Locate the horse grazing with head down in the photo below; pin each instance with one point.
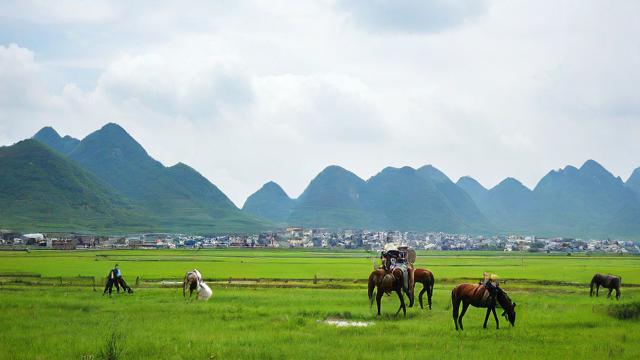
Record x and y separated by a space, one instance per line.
192 280
478 296
425 277
610 282
386 282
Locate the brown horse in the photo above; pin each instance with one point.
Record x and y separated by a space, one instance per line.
386 282
425 277
478 296
610 282
191 280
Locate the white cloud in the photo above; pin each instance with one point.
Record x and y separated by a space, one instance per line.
247 92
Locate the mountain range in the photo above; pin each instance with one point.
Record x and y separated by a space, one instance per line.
172 199
572 202
107 182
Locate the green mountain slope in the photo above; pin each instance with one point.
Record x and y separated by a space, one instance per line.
40 190
399 198
176 199
509 205
331 200
50 137
459 201
589 201
634 181
270 202
472 187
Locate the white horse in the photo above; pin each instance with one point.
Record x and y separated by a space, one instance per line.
205 292
193 280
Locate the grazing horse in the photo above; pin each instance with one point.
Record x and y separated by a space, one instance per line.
425 277
192 279
478 296
386 282
610 282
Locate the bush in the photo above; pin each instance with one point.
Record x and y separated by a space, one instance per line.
113 348
625 311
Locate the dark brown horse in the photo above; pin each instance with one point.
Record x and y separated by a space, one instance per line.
610 282
425 277
384 282
478 296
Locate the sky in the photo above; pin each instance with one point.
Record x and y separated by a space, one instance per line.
247 92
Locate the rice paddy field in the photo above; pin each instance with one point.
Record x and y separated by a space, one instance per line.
281 304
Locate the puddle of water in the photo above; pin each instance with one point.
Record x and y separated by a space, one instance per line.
345 323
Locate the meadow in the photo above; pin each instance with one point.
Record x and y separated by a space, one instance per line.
281 313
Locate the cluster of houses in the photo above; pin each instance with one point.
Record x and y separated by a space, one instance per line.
316 238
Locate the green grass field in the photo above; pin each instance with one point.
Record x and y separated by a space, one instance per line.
282 315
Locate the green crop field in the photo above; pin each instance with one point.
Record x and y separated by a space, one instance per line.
272 304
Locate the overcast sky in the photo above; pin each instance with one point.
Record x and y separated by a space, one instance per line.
251 91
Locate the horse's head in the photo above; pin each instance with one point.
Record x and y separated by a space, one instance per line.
509 312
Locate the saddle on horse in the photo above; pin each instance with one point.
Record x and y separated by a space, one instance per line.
402 258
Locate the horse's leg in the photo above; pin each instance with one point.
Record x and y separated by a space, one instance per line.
597 290
399 292
378 298
486 318
403 307
411 297
591 289
455 305
495 316
184 287
609 294
618 293
465 306
424 289
430 292
412 287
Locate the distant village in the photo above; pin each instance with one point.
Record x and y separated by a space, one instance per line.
295 237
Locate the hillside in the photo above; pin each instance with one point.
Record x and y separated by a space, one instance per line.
395 198
459 201
40 190
634 181
174 199
51 138
509 205
585 201
331 200
270 202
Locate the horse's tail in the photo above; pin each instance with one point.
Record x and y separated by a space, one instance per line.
373 262
184 284
432 282
371 288
594 279
455 304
